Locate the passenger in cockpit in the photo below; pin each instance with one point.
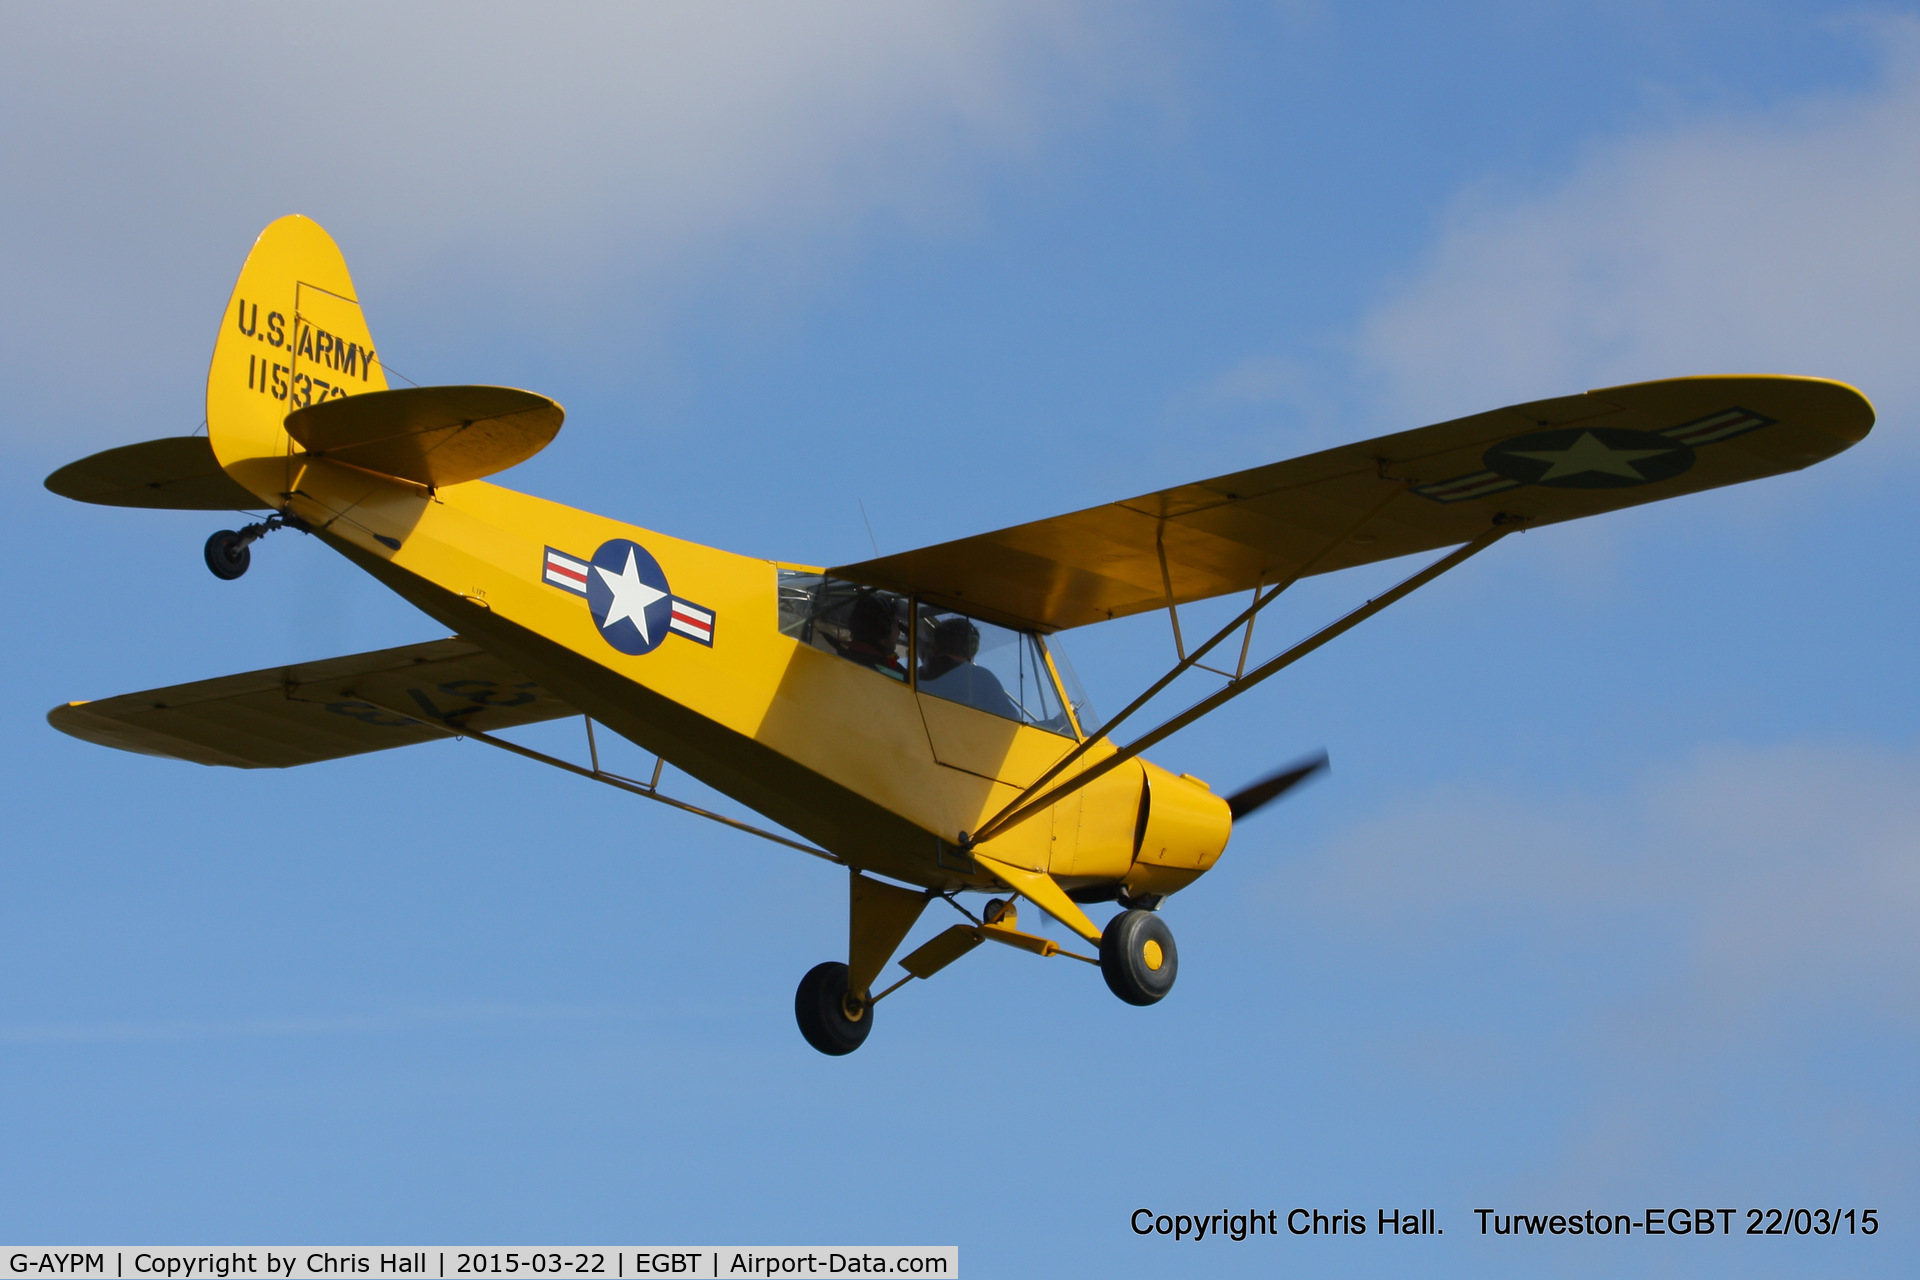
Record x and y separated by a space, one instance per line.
873 637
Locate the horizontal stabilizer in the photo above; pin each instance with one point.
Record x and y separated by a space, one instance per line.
429 435
178 473
322 710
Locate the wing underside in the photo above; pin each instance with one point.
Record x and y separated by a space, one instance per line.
312 711
1437 486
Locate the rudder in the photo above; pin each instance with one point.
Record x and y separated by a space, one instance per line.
293 335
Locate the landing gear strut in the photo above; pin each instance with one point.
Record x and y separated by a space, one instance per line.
833 1021
227 553
834 1005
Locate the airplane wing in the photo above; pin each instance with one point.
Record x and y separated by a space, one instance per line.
317 710
1433 487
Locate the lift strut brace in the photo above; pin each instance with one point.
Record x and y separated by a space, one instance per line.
597 774
1187 661
1012 814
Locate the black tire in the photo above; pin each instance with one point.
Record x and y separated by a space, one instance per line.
1129 948
227 555
820 1007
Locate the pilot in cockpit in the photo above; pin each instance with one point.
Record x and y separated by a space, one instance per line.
950 671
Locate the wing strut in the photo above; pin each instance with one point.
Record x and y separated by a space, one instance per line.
1018 811
597 774
1187 662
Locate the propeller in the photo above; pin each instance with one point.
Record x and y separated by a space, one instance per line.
1250 799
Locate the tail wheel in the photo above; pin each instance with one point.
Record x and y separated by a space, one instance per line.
1138 958
227 554
833 1022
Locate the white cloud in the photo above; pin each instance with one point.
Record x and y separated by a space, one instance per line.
651 123
614 146
1774 242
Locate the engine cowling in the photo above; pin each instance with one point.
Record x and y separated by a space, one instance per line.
1183 829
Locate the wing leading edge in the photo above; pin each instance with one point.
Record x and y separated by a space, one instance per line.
312 711
1546 461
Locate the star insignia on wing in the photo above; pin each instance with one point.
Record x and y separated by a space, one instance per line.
1590 453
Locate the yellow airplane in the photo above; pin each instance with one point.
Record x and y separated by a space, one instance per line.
906 717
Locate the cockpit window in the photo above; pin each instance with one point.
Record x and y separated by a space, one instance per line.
1083 711
961 659
861 624
987 667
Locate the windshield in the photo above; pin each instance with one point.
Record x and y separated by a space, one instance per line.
1070 684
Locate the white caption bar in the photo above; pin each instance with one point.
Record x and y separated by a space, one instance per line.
573 1262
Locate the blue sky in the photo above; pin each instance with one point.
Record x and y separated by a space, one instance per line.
1608 903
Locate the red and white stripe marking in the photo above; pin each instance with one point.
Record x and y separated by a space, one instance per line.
692 622
564 571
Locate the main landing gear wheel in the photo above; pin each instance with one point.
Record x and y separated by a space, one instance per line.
227 554
1137 957
832 1021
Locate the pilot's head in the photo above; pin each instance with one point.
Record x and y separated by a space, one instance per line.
956 638
872 623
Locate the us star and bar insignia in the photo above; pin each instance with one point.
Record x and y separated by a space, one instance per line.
1593 457
627 593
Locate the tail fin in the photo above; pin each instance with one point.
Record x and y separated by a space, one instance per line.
293 336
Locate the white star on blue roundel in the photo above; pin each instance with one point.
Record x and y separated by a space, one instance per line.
628 596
